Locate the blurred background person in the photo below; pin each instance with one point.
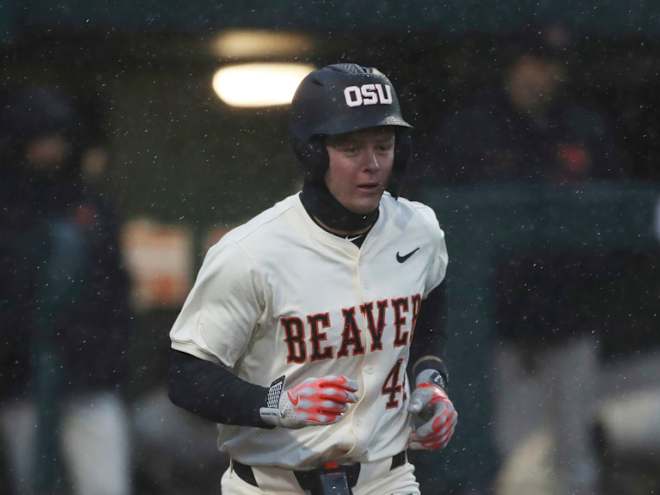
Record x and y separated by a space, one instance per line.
528 127
64 308
174 451
525 132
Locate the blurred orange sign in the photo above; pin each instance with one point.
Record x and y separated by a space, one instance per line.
160 260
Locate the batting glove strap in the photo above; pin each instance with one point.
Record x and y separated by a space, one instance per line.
315 401
432 365
432 376
434 416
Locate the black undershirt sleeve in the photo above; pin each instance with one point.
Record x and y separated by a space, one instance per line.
430 337
214 392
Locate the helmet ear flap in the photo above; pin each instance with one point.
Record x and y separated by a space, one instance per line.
313 155
402 152
402 147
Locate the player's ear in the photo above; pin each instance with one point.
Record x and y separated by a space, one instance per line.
313 156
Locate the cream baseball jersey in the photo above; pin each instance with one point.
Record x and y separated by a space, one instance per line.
279 295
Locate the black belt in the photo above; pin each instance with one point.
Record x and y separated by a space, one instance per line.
309 479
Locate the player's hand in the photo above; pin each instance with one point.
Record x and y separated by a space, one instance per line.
315 401
434 415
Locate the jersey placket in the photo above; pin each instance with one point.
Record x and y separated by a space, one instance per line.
360 430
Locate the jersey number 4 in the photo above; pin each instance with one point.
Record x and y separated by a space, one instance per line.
394 385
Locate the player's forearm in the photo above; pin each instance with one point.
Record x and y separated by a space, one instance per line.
427 349
213 392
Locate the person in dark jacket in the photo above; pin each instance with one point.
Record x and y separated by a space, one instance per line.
528 130
64 308
528 127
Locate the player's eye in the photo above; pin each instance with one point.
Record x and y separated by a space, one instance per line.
386 146
349 149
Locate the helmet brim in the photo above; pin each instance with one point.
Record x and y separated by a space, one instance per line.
344 126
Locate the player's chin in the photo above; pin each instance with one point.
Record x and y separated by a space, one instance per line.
366 204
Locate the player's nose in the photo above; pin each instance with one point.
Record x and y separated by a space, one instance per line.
371 162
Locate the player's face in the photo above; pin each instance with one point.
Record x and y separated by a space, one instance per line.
359 167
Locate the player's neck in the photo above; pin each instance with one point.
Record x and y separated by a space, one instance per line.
340 232
324 208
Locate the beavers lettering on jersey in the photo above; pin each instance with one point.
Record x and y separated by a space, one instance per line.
309 341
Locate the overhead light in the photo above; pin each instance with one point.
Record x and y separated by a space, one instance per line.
247 43
259 84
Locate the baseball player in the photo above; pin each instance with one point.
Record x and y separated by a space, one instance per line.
311 332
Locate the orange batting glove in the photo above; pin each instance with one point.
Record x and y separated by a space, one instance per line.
315 401
434 414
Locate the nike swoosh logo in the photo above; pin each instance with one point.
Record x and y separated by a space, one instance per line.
402 259
294 398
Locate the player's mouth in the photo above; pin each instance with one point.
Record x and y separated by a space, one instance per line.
369 187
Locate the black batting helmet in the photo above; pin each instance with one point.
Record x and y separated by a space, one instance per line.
342 98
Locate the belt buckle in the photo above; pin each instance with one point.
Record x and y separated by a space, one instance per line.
333 481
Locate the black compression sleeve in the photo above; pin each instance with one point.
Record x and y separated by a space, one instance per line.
430 338
213 392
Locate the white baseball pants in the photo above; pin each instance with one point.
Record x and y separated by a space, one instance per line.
375 478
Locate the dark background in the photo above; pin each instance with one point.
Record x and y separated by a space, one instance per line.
142 74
